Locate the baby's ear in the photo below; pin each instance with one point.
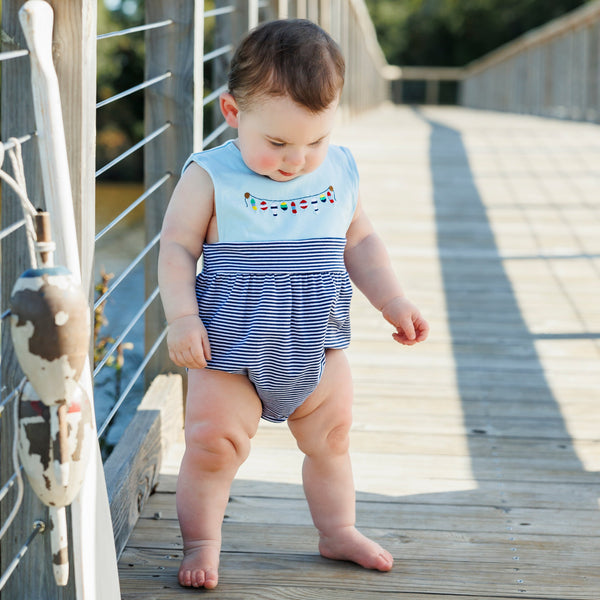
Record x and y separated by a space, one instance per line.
229 108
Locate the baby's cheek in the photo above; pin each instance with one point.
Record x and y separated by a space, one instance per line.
266 162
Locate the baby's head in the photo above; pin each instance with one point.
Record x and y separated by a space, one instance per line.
291 57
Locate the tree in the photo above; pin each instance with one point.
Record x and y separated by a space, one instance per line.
455 32
120 67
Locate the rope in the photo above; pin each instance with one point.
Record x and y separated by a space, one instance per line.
20 188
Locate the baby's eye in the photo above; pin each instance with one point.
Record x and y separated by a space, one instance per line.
276 144
317 143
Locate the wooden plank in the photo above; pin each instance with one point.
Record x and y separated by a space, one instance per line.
417 576
375 513
431 491
133 466
235 591
410 544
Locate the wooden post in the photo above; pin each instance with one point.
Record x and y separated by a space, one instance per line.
177 48
223 35
432 91
75 30
74 54
17 120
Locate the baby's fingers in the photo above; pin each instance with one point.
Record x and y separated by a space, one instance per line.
421 329
401 338
406 330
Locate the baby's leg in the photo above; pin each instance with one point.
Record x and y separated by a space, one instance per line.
321 427
222 415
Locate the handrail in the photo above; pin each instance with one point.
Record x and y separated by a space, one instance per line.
135 88
215 133
125 331
38 527
218 52
134 263
133 205
550 71
11 228
10 54
580 17
21 140
214 95
150 354
133 149
215 12
136 29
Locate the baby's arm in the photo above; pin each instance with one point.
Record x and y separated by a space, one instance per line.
370 268
186 222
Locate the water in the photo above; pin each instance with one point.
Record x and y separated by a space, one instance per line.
114 251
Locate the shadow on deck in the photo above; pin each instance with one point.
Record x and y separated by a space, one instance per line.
476 454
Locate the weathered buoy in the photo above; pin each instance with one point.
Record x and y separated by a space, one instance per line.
44 455
50 327
55 470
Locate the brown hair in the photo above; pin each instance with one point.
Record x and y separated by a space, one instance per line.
292 57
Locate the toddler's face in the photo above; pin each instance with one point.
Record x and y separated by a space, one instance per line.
283 140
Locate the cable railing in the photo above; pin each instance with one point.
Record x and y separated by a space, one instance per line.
119 220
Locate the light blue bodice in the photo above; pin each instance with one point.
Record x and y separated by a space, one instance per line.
252 207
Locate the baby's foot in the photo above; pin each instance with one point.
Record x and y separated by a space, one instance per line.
200 564
349 544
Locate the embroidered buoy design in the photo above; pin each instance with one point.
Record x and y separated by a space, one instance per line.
294 206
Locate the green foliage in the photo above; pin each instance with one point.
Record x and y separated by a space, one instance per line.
455 32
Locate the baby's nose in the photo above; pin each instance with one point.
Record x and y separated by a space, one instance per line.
295 157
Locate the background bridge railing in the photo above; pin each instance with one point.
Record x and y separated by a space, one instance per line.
188 45
552 71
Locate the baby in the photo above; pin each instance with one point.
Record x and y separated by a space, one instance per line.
261 329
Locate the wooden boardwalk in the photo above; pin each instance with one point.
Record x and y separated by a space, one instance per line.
477 454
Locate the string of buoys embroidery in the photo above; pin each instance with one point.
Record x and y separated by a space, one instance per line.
294 206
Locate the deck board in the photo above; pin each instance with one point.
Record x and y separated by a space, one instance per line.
476 454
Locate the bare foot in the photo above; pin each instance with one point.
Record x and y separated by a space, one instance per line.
349 544
200 564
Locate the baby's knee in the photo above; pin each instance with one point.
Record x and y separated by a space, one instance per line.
332 442
338 440
213 449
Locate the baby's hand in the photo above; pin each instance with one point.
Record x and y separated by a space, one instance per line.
188 342
411 327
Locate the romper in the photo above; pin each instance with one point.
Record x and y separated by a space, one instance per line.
273 292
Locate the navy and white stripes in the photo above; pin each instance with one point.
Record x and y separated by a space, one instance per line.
271 309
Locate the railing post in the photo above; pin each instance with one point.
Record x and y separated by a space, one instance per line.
17 120
177 48
282 9
74 55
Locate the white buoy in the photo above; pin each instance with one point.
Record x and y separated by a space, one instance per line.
50 326
94 555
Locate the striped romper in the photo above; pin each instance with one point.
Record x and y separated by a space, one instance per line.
273 292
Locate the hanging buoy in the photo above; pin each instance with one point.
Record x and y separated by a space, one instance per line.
50 326
56 468
44 457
